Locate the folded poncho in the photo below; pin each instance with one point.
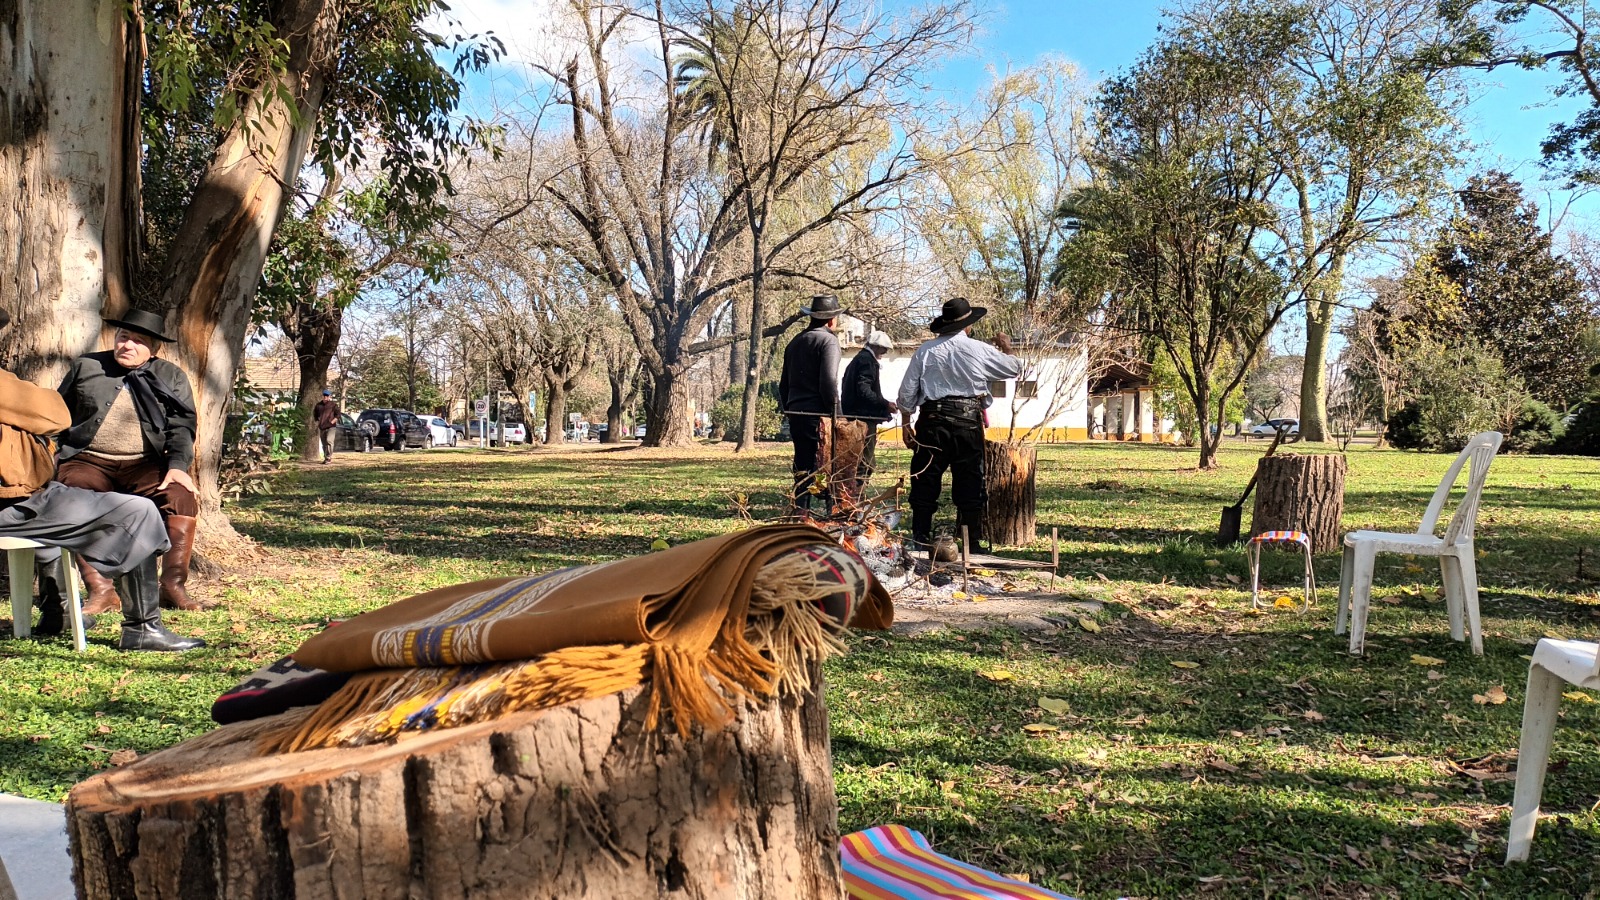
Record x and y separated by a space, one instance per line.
744 614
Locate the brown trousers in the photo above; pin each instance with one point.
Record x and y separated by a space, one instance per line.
141 477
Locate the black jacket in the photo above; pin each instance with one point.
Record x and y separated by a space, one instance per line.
863 396
91 387
810 380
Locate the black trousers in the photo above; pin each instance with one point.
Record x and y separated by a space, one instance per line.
948 437
806 433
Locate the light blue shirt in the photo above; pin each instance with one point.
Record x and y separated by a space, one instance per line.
954 365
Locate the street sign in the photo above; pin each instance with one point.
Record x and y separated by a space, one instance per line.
480 407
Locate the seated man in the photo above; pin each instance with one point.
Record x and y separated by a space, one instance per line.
132 431
116 535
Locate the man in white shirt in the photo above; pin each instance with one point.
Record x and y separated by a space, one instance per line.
946 384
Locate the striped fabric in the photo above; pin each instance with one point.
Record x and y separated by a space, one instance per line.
892 862
1282 537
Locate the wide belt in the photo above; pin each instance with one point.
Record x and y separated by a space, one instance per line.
954 407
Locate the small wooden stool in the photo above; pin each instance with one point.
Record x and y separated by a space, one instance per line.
19 559
1281 537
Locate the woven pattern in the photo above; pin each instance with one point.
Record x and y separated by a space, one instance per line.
1282 537
892 862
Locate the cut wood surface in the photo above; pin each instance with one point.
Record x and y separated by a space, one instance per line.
574 802
1301 492
1010 519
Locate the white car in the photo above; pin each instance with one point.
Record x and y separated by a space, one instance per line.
443 435
1272 426
516 432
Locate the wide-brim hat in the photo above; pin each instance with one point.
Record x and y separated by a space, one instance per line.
956 315
822 306
144 322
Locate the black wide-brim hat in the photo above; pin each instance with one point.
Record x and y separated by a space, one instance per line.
822 306
144 322
956 315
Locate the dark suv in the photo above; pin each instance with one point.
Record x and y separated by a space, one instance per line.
395 429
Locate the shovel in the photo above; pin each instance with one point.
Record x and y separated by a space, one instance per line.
1228 530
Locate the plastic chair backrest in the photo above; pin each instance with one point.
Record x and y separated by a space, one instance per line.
1480 451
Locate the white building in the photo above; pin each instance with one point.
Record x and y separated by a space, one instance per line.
1049 400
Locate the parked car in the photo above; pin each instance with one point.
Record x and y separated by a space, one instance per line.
395 429
349 438
443 434
516 432
1272 426
599 432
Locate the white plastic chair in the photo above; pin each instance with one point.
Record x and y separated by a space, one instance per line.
1555 665
19 559
1457 563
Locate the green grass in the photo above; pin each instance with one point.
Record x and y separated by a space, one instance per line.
1278 766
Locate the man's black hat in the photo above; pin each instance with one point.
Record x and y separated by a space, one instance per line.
957 314
822 306
144 322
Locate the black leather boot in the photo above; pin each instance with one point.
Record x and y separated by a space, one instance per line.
972 520
921 529
52 606
141 613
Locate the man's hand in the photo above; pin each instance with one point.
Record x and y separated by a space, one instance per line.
1002 342
907 434
178 477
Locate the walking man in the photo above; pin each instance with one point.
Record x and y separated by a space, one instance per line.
326 415
133 423
862 397
115 535
808 392
946 384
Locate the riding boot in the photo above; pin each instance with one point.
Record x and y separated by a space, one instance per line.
802 492
141 613
175 564
972 520
922 528
102 592
52 604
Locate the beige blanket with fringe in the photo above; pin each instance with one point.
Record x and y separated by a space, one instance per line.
681 618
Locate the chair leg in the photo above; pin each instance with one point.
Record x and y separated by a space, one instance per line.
1255 576
21 564
1538 728
1311 581
1469 597
1450 578
69 587
1346 568
1361 596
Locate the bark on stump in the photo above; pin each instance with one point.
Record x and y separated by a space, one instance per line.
1301 492
567 803
1008 472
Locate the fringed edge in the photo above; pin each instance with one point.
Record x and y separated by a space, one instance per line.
786 621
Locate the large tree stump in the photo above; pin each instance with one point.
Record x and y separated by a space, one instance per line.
1301 492
1008 472
567 803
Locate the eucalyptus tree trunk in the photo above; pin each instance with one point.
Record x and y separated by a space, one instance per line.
752 377
315 327
211 274
1320 309
69 157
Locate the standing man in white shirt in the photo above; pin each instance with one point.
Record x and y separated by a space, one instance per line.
945 385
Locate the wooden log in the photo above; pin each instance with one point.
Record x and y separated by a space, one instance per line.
1301 492
575 802
1009 520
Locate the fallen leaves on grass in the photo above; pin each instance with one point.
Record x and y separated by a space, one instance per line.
1435 675
1418 659
1040 728
1184 664
1492 697
998 675
1054 705
1089 625
1578 696
1284 602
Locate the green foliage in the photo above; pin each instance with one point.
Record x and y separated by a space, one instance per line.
1457 391
381 378
729 407
1582 435
1517 297
1404 429
1537 429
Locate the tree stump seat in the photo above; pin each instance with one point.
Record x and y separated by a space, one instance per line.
1301 492
572 802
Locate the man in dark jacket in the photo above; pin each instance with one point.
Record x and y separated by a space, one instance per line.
326 414
808 391
862 397
114 534
133 423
